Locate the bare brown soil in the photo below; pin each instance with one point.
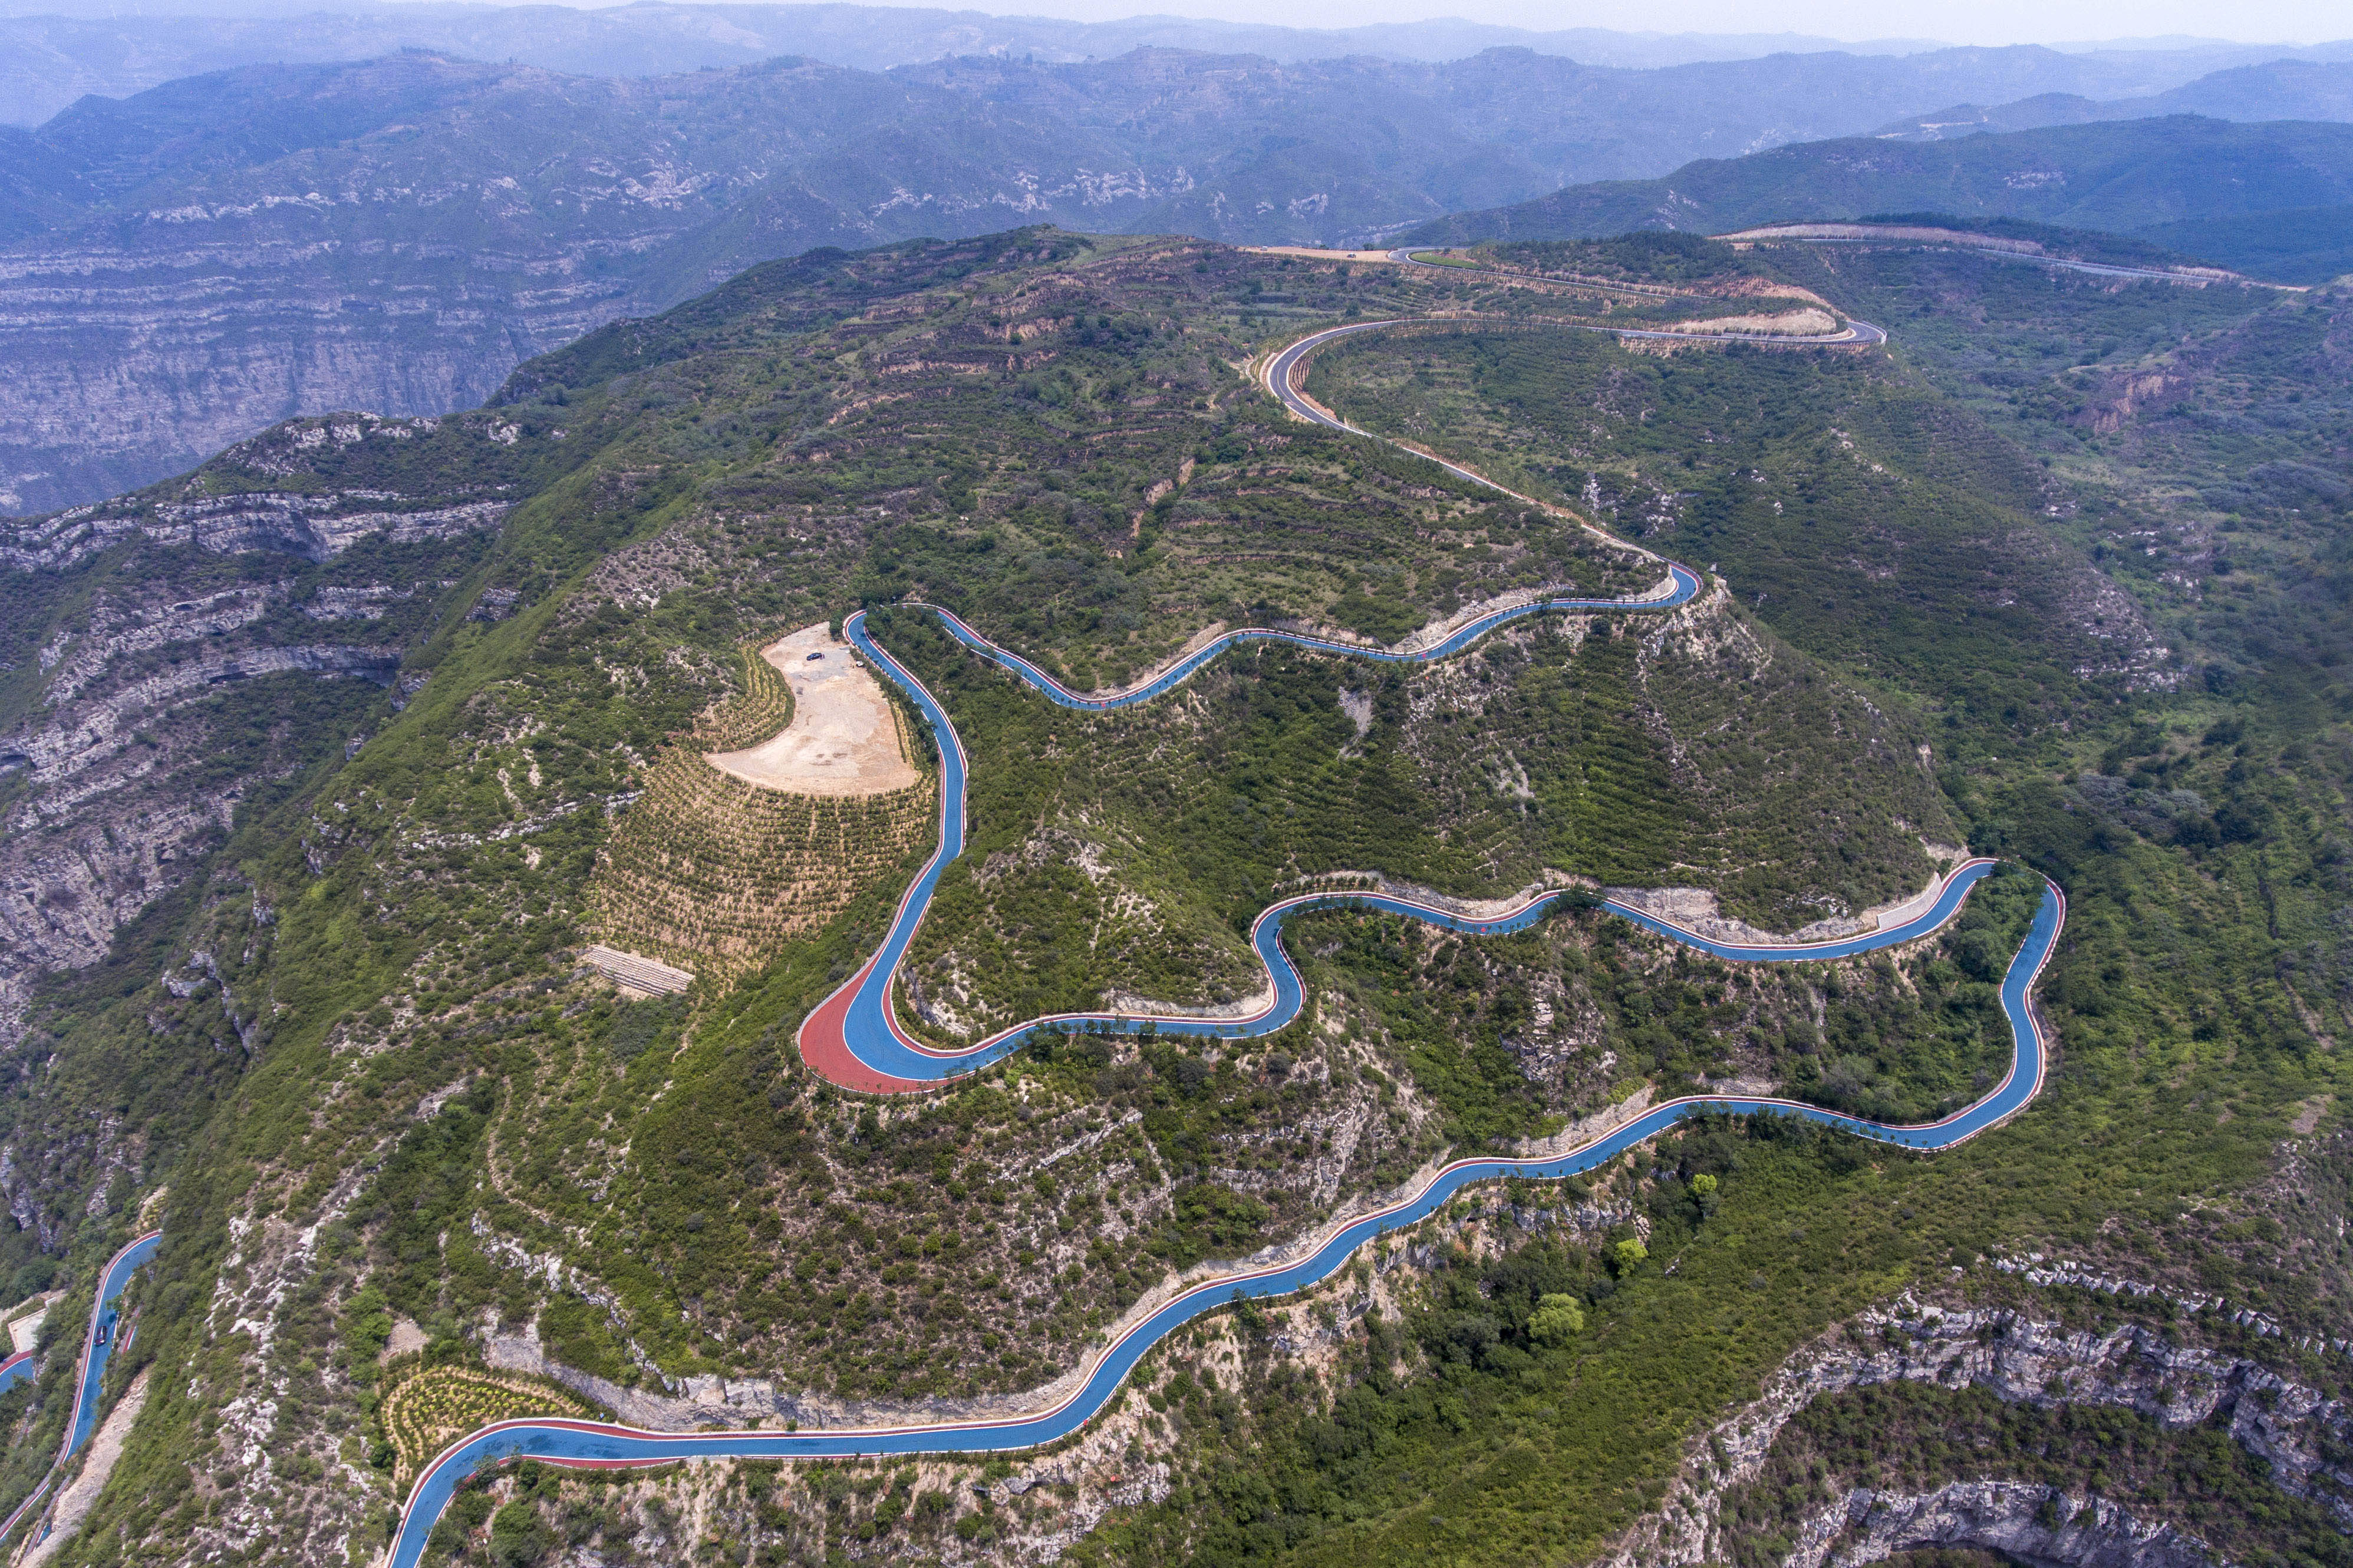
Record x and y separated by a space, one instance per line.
843 739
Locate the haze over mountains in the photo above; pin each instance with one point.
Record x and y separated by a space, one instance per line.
2260 196
2275 90
1625 896
183 266
54 51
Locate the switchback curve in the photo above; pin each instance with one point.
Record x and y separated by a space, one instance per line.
608 1446
860 1011
854 1038
98 1343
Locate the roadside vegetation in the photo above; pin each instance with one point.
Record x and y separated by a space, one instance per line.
2198 996
1932 639
422 1412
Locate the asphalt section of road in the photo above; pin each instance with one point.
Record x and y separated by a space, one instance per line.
98 1345
854 1039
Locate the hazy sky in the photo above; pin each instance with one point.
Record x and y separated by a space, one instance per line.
1969 21
1973 22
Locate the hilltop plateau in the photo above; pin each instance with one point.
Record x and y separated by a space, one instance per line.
363 733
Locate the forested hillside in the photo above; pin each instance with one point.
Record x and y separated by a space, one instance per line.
2270 198
2192 804
393 230
2055 576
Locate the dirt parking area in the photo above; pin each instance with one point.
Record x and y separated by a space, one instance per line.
1310 252
844 736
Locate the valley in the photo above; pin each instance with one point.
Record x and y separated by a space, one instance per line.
1548 894
188 264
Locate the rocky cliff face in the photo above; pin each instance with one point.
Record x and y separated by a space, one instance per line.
188 266
190 646
169 659
134 354
107 817
2301 1433
2023 1522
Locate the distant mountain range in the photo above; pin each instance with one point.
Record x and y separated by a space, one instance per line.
187 265
183 266
54 51
2275 90
2273 198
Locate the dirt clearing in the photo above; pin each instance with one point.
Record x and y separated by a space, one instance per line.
844 736
1310 252
1789 324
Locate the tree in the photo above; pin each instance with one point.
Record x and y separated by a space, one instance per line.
1556 1320
1626 1254
519 1536
1703 1192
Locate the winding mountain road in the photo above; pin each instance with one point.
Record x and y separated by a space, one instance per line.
1857 332
1925 237
601 1445
854 1038
98 1343
854 1041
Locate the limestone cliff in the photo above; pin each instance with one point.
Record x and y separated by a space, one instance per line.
2297 1431
189 647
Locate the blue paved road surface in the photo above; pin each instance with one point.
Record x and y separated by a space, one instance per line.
105 1321
857 1026
1679 587
98 1345
594 1443
859 1012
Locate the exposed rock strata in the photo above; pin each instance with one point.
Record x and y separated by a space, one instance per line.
2302 1434
137 352
140 742
315 527
162 300
109 822
2023 1522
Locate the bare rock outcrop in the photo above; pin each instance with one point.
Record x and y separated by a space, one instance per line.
2024 1522
113 818
2300 1432
137 747
315 527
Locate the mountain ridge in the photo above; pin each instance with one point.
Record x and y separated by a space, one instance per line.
2128 177
2277 89
406 1146
187 265
46 59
